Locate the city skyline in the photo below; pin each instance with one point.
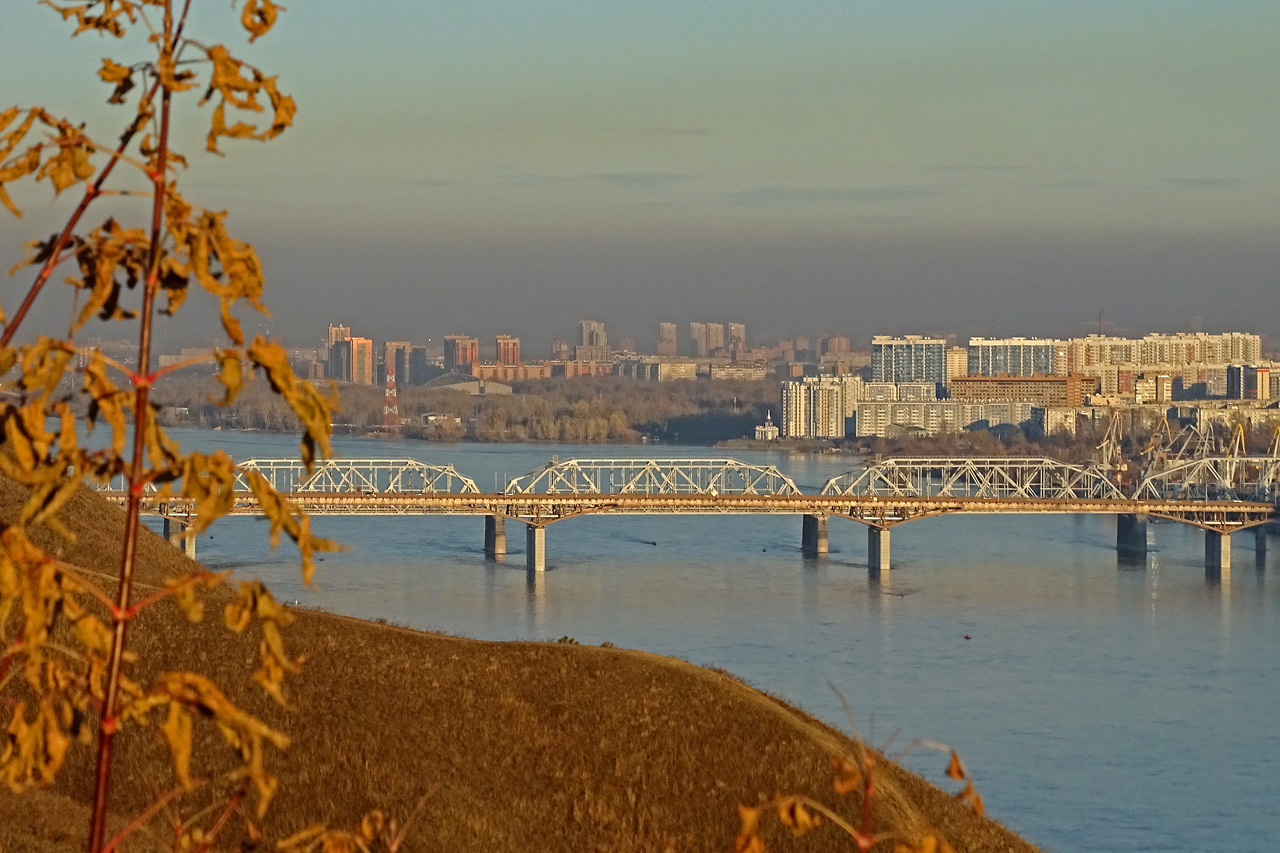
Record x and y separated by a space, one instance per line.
922 166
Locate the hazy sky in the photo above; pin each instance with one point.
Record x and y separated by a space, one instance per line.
806 166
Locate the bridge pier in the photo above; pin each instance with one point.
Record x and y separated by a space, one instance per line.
495 535
878 549
813 535
184 536
1260 540
1131 535
535 548
1217 550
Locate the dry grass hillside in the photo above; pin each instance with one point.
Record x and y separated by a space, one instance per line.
527 746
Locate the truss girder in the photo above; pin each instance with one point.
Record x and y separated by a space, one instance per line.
1214 478
359 476
1027 478
654 477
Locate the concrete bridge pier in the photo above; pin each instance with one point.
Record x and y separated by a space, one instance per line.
1260 540
181 536
535 548
813 536
1217 550
495 535
1131 536
878 549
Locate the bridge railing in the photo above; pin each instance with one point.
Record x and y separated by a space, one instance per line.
976 477
654 477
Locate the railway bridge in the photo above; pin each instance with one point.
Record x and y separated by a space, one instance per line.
1219 495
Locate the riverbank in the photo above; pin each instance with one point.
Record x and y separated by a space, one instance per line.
543 746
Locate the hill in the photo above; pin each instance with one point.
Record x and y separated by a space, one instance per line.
524 746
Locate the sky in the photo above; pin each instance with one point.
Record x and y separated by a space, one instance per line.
807 167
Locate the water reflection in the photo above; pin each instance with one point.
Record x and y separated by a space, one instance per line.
536 601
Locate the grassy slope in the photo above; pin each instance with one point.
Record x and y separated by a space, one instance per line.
534 746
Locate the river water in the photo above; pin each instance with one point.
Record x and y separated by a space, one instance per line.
1100 707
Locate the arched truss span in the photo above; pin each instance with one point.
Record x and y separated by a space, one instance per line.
1214 478
368 476
654 477
996 477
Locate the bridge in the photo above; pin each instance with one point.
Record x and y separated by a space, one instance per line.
1220 495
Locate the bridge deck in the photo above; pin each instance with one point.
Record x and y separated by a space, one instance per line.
874 510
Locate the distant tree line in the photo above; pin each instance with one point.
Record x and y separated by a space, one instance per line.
582 410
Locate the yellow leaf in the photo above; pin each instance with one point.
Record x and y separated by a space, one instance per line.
371 826
17 168
258 17
8 203
177 735
848 777
170 77
229 375
284 106
794 815
187 599
971 796
106 400
302 840
955 769
112 72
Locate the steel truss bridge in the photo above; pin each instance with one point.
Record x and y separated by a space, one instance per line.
1218 494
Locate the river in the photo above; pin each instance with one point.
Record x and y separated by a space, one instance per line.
1099 707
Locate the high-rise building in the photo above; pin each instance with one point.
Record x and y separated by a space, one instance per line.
460 352
361 360
592 334
422 368
706 338
833 344
813 407
1245 382
668 339
395 359
338 333
340 360
910 359
1010 356
957 362
737 335
508 349
561 350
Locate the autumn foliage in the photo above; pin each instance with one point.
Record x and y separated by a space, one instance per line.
65 666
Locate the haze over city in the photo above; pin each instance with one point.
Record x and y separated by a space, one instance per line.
807 167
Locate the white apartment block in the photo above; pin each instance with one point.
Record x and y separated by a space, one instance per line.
1088 354
932 417
813 408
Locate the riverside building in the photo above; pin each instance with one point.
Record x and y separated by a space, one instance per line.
910 359
813 407
1009 356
